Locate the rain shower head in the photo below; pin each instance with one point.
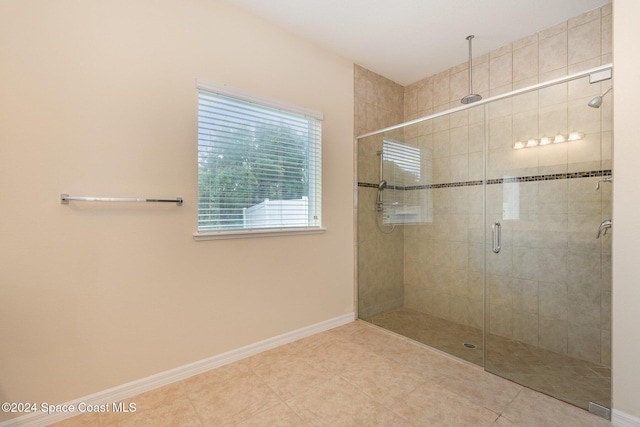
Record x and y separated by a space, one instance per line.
472 97
596 101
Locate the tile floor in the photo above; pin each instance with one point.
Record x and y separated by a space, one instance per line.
575 381
354 375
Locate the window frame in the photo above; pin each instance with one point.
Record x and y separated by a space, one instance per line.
239 233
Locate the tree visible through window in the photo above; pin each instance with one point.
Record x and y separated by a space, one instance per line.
258 166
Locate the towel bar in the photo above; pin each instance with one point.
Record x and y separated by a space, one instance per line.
65 199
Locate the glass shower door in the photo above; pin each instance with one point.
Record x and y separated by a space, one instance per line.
420 231
548 276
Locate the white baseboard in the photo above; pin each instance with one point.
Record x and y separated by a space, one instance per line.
620 419
125 391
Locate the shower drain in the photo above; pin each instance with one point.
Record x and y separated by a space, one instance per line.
469 345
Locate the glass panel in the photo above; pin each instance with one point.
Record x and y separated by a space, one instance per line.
548 289
420 232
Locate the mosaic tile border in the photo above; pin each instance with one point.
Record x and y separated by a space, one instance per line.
507 180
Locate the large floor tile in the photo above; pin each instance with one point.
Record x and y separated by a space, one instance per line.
532 409
337 403
278 416
385 380
230 402
178 413
433 405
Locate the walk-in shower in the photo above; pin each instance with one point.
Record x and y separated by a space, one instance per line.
536 311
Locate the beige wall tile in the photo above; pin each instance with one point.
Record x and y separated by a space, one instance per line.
525 82
553 31
553 53
553 300
526 327
605 358
553 119
584 42
441 82
607 39
501 71
500 321
553 334
481 72
525 126
459 168
584 308
411 100
584 343
525 62
584 18
525 296
459 84
425 96
501 51
459 119
459 140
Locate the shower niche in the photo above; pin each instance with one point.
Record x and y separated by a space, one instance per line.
477 234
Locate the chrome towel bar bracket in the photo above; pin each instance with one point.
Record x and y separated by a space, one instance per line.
65 199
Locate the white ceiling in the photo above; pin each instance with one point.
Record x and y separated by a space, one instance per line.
407 40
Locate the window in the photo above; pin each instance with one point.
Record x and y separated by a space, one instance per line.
259 165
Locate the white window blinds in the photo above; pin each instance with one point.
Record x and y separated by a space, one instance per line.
259 163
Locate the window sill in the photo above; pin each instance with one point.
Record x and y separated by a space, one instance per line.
246 234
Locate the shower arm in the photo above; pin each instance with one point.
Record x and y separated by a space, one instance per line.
470 68
471 97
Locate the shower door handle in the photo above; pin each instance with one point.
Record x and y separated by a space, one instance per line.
496 234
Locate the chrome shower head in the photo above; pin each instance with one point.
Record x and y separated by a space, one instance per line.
472 97
596 101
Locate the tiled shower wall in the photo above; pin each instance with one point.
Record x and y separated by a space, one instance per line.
379 103
550 286
578 44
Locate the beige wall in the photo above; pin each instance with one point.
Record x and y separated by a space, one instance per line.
626 205
99 99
